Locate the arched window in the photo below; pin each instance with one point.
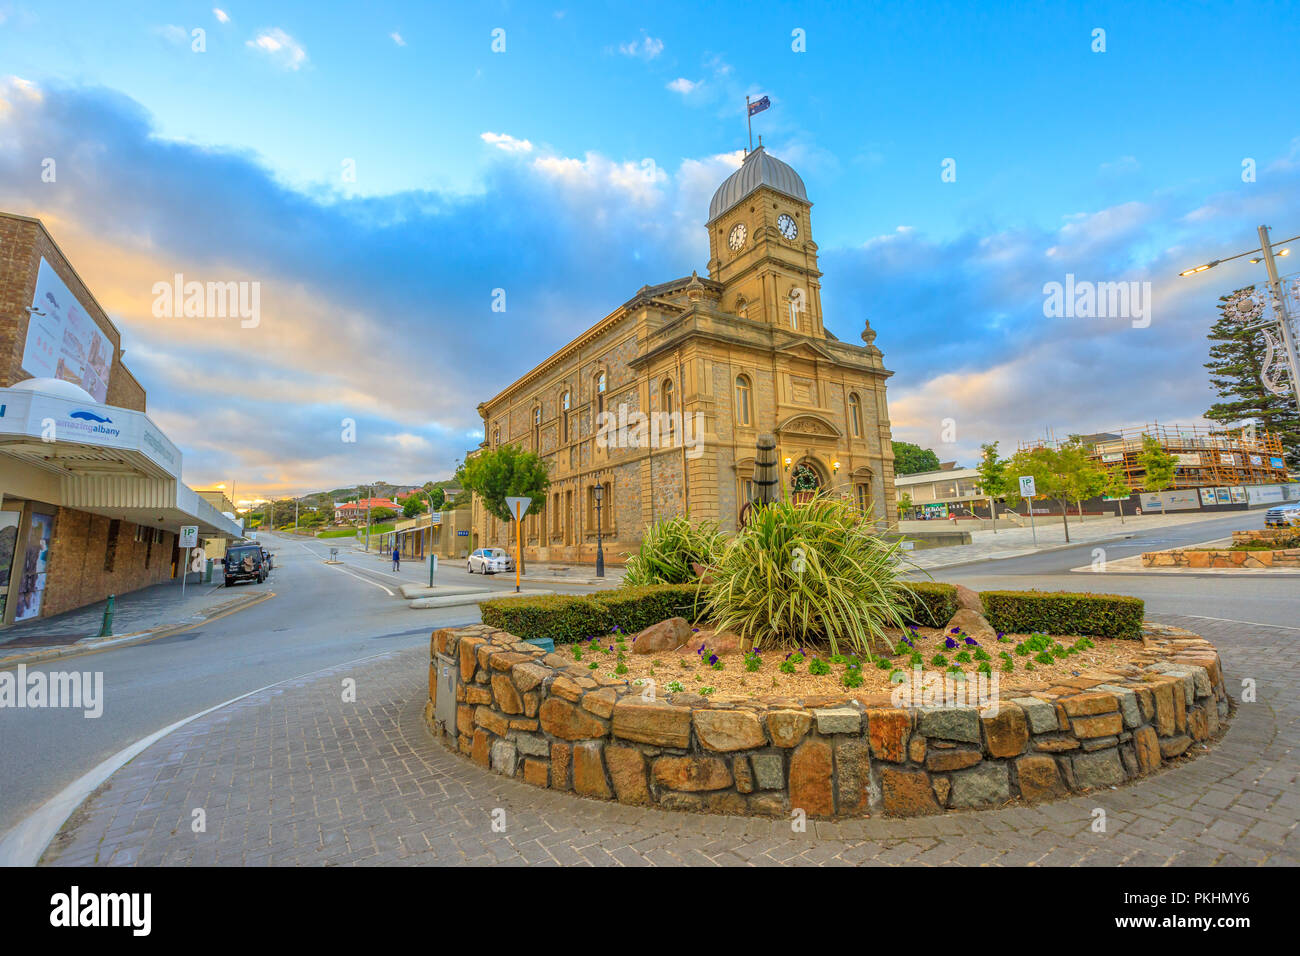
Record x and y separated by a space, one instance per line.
666 396
600 392
742 307
496 437
537 429
564 415
855 414
743 394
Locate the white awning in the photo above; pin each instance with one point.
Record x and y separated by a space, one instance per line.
99 458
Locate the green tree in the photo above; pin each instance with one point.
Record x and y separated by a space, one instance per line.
1062 474
1158 464
439 498
993 478
912 459
1236 367
414 505
506 472
904 505
378 515
1117 487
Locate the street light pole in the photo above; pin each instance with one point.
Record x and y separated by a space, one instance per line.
1284 325
600 550
369 492
1284 328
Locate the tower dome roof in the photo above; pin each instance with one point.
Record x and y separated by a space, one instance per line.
759 169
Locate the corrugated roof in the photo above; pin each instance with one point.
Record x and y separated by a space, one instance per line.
759 169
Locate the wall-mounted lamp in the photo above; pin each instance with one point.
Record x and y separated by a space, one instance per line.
835 466
787 463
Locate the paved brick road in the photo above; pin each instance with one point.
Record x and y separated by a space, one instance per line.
296 776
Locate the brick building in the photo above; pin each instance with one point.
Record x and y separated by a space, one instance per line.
719 360
91 501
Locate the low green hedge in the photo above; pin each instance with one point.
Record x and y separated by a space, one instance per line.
930 603
1059 612
566 618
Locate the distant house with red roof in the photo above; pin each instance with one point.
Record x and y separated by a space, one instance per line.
356 510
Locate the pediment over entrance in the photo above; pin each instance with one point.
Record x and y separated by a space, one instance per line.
807 350
805 423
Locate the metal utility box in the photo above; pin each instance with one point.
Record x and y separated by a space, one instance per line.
444 708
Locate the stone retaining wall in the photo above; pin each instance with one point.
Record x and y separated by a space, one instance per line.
524 713
1267 535
1286 558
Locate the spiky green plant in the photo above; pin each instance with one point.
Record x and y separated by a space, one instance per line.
668 549
809 573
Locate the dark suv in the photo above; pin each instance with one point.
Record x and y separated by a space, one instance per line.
246 562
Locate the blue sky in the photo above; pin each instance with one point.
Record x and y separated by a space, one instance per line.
526 169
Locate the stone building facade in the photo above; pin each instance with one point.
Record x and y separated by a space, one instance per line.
721 360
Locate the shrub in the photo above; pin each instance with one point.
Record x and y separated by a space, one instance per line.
668 549
929 603
566 618
1092 615
806 573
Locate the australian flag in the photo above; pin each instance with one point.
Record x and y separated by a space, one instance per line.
759 105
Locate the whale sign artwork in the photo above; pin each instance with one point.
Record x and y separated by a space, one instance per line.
63 341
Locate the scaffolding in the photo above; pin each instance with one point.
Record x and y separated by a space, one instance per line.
1207 456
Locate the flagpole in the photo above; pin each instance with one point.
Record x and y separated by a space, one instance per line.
749 122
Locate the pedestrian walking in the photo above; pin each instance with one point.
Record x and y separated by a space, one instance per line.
397 558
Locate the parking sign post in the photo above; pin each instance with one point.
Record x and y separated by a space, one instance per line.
1027 491
189 538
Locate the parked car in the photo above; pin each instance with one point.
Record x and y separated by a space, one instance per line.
489 561
1284 516
246 561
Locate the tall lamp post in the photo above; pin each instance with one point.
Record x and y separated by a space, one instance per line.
1277 330
600 550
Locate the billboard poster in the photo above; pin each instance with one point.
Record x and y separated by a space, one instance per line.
1277 463
1222 496
1227 459
1188 459
1238 494
63 341
31 589
1207 496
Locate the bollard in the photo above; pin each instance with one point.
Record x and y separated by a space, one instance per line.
106 628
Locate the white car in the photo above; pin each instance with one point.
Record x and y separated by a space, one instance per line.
489 561
1287 516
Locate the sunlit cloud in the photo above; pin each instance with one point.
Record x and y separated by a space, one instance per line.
280 47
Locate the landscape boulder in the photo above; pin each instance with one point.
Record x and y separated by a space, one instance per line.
665 636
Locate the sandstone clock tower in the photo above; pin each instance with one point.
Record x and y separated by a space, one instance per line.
761 247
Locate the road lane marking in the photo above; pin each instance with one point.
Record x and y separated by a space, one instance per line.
1231 620
27 842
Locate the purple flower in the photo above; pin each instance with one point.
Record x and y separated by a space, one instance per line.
695 630
971 642
956 630
713 658
949 643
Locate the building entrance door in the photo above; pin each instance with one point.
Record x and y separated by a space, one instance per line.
8 546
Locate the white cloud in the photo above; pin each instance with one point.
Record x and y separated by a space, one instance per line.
174 34
221 15
683 85
647 48
281 47
397 38
506 142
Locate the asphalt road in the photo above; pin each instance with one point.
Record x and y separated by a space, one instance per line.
1249 598
321 615
324 615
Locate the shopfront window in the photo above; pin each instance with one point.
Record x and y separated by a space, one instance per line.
8 542
36 558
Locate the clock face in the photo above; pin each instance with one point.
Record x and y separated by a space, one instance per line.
737 237
789 228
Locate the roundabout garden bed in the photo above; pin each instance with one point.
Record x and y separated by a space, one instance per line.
788 668
924 748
